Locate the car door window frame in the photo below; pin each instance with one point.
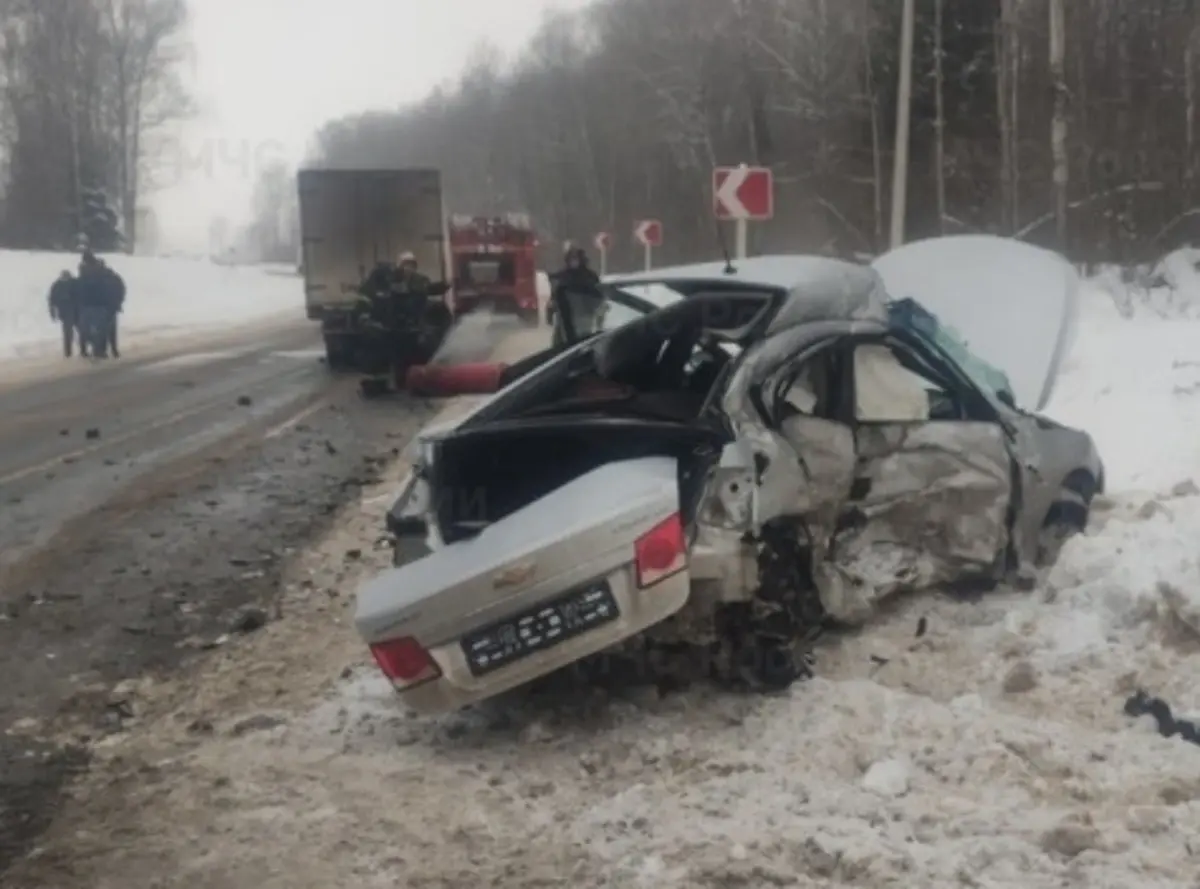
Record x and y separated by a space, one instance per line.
840 400
976 407
769 403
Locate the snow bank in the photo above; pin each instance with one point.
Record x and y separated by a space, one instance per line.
1134 384
1167 289
164 296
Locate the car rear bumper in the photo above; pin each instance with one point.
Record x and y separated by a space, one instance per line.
639 609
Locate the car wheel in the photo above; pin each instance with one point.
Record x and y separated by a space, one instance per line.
1067 516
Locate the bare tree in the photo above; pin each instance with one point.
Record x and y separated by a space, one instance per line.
83 82
903 126
872 99
145 52
273 235
1189 109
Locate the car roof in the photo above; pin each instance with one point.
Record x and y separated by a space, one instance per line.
818 287
784 271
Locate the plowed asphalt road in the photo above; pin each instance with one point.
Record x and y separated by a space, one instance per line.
145 505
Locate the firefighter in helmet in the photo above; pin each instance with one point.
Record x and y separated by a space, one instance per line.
402 321
409 280
577 288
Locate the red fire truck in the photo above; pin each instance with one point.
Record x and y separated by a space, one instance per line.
494 264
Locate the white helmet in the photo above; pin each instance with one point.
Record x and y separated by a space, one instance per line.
407 256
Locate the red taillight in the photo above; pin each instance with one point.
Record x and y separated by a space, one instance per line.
405 661
660 552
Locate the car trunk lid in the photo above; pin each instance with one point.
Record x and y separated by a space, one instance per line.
578 532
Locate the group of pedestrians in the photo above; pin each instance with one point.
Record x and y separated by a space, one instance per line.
87 306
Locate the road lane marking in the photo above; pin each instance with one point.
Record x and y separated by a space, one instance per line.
190 359
296 419
302 354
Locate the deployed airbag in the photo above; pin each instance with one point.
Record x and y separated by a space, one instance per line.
885 390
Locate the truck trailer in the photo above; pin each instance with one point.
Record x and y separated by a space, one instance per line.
352 221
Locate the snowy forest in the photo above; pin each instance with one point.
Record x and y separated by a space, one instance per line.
1078 133
88 91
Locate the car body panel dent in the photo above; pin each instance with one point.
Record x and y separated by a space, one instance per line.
932 507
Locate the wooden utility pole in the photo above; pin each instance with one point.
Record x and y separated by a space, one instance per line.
903 116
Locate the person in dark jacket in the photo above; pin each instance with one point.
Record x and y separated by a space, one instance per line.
92 288
372 316
64 308
575 288
113 288
400 318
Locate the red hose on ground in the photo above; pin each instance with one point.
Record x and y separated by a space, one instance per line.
479 378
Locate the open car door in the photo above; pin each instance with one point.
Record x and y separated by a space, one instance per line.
577 312
933 482
1014 305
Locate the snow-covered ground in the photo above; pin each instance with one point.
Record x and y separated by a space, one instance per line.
988 749
165 297
991 750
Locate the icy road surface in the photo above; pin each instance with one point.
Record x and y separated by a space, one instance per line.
988 750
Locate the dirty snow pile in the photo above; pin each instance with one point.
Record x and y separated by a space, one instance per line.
164 296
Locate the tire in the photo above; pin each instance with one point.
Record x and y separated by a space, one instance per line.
339 353
1067 516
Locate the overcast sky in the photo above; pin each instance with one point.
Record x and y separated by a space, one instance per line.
268 73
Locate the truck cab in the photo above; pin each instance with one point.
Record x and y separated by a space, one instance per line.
494 264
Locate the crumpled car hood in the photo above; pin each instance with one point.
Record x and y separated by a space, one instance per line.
1014 305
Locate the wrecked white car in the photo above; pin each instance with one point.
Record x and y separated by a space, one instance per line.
780 448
